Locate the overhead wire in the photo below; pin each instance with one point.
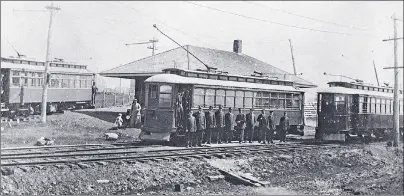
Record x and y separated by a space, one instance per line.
307 17
273 22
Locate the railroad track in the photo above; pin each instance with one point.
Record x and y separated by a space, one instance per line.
132 155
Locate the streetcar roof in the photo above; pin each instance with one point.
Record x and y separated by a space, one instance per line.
351 91
26 67
176 79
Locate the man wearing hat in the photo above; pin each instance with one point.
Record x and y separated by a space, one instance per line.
190 128
219 115
229 126
284 127
210 124
200 125
135 114
240 120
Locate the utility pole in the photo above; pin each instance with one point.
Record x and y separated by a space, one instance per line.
153 47
293 58
396 121
377 78
45 77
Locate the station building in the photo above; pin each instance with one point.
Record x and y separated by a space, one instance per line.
225 62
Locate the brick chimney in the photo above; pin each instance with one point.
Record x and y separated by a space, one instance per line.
237 46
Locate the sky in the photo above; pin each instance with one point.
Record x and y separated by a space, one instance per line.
341 38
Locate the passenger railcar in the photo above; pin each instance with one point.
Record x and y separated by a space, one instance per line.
169 96
355 109
22 83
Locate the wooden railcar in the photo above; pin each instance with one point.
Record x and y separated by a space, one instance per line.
22 81
165 92
346 109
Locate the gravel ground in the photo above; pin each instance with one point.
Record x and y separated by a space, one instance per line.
367 169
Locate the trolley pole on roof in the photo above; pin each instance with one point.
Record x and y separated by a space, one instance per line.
377 78
396 121
45 77
293 58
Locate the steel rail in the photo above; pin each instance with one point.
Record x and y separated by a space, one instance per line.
265 149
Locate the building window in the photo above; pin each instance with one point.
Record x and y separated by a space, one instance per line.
165 96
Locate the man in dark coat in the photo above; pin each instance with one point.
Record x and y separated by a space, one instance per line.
210 124
94 90
263 126
284 127
190 128
219 115
271 127
240 120
229 125
200 125
250 122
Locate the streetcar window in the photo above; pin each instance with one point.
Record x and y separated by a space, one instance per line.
383 106
210 97
230 94
16 73
232 78
25 81
223 77
239 99
248 99
65 83
33 82
363 104
274 100
165 96
199 96
193 75
213 77
340 104
242 79
281 100
258 99
366 88
378 106
16 81
296 101
153 91
220 96
250 80
72 83
266 99
203 76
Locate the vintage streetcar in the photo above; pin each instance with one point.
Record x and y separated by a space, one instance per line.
355 109
22 81
167 93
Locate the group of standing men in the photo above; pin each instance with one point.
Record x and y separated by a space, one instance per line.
200 125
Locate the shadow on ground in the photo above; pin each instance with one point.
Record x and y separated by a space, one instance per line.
102 115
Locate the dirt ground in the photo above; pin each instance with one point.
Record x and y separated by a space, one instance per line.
360 169
72 127
356 169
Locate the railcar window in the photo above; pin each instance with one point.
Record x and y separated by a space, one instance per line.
199 97
213 77
242 79
383 106
33 82
373 105
65 83
248 99
250 80
16 81
282 100
366 88
230 94
153 91
274 100
165 96
220 96
258 99
210 97
363 104
193 75
25 81
266 99
232 78
203 76
239 99
340 104
16 73
223 77
289 100
296 101
378 106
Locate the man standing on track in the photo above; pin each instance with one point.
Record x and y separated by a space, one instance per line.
135 114
220 124
263 126
271 127
240 120
284 127
200 125
250 122
190 128
210 124
229 122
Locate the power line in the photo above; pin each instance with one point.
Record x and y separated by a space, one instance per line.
307 17
165 24
272 22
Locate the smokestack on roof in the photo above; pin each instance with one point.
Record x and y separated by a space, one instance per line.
237 46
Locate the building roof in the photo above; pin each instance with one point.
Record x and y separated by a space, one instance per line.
176 79
226 61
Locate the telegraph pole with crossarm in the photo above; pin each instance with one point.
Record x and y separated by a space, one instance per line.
396 117
45 77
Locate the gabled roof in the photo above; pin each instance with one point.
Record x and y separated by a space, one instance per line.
226 61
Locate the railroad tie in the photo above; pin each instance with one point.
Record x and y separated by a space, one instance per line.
60 166
220 156
83 166
102 163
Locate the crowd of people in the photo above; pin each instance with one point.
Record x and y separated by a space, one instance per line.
200 125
